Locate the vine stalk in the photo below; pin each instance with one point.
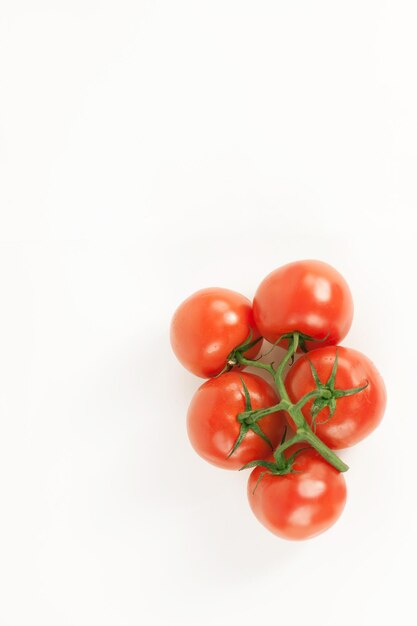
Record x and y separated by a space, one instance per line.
303 429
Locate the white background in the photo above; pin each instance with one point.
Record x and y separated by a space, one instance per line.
148 149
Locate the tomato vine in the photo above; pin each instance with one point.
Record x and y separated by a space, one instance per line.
323 395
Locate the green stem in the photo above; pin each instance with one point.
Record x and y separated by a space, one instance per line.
304 430
322 449
310 396
278 375
304 433
255 415
242 360
279 452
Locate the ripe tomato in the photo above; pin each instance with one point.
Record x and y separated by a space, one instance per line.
299 505
355 416
212 422
208 325
306 296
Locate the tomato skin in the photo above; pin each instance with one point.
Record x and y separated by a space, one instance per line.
208 325
300 505
306 296
212 420
355 416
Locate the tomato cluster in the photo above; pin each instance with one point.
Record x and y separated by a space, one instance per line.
329 397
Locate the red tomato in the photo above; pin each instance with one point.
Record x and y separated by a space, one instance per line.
299 505
208 326
306 296
355 416
212 422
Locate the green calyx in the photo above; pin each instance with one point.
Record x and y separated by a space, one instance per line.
248 421
280 466
236 353
328 394
303 338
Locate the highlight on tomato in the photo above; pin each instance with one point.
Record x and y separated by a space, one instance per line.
207 327
300 504
357 395
213 424
310 297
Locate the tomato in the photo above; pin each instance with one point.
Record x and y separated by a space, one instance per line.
208 326
302 504
355 416
306 296
212 422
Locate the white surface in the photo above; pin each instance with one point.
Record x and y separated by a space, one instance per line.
149 149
